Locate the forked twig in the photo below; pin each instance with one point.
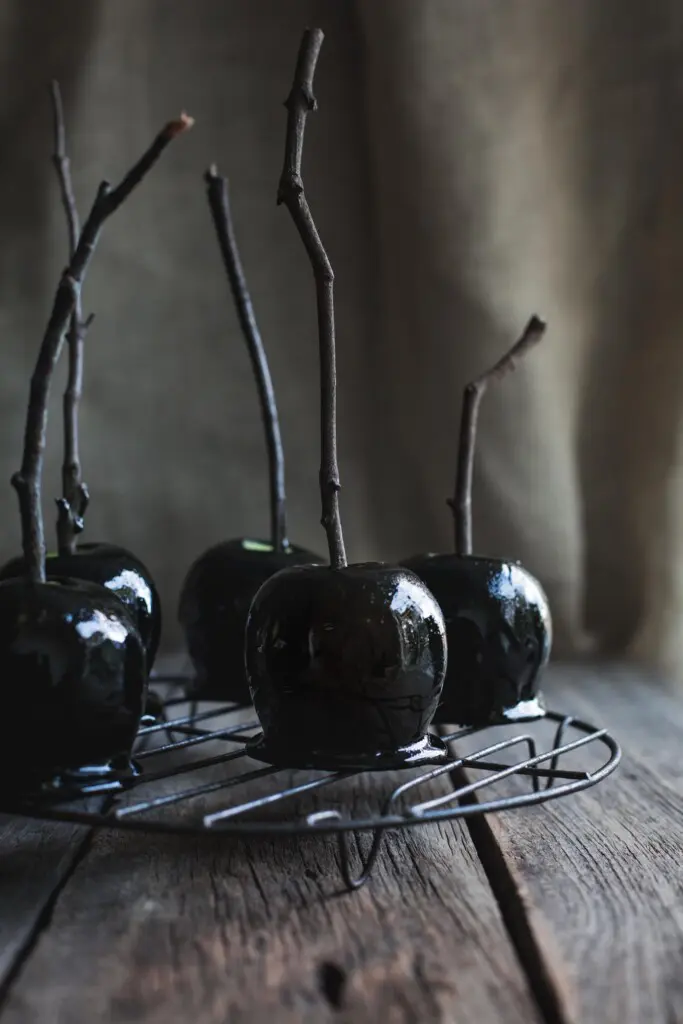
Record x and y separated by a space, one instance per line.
300 103
27 480
461 503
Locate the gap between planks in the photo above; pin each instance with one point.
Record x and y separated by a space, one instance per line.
37 859
591 888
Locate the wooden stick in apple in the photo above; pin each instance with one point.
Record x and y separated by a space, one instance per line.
73 503
27 481
300 103
461 502
219 203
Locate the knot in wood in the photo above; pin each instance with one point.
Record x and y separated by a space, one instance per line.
301 96
290 189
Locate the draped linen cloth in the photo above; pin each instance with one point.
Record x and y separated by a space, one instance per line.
472 162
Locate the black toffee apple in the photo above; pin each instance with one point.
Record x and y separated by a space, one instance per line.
74 678
109 565
213 609
221 584
497 616
118 571
345 662
75 683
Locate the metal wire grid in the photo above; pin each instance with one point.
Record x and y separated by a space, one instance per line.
123 807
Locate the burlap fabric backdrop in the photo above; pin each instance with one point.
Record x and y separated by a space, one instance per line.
472 161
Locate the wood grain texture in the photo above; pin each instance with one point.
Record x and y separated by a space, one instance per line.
595 882
162 929
165 930
35 860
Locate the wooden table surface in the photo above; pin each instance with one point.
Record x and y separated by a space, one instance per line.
568 912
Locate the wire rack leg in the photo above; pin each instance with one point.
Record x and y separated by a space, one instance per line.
351 881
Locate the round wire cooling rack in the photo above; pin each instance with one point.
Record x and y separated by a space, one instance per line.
233 795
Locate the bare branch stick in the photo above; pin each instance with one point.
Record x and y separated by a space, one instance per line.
27 480
72 505
291 192
62 166
461 503
219 202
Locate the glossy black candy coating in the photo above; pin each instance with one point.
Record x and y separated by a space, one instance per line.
119 571
499 633
213 609
73 682
346 667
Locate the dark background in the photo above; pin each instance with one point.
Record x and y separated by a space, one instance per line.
471 163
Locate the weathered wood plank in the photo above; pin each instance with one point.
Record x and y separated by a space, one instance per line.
159 929
35 860
592 886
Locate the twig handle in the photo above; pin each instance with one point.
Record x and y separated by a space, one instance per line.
219 203
27 481
300 103
73 503
461 502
